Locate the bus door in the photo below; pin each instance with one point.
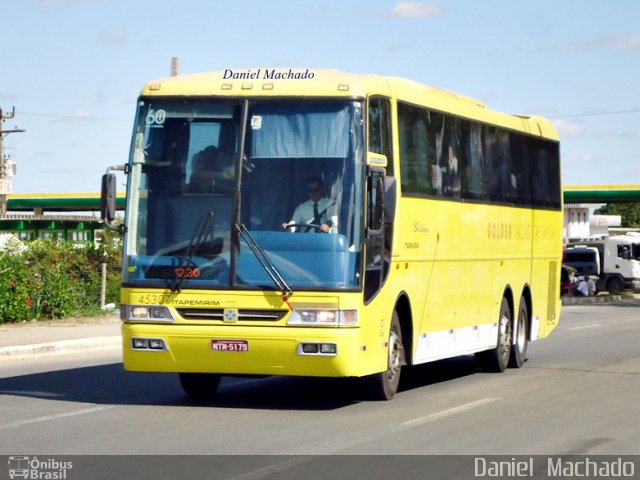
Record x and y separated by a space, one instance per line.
377 254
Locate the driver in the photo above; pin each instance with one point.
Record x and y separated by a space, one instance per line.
319 212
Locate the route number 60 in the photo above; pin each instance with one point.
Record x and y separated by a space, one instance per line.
156 117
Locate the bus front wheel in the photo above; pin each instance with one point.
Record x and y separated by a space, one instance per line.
200 386
384 385
497 359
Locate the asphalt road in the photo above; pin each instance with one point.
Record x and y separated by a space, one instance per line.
579 393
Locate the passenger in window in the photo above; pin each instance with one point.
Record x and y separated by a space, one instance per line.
208 165
319 212
450 176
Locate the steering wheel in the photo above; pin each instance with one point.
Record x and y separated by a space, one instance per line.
317 228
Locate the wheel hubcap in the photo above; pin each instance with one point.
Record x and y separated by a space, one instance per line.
394 356
505 336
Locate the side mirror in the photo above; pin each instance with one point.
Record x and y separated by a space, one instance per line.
108 202
108 198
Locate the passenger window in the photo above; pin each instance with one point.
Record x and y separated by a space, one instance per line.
474 175
449 153
498 154
418 160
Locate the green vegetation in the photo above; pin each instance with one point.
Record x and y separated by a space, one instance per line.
47 279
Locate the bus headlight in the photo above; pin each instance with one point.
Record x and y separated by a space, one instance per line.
318 317
146 313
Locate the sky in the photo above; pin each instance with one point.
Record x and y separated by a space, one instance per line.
74 68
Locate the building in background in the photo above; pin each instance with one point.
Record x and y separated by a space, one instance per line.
60 216
580 222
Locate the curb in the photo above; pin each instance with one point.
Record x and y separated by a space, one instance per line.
61 347
597 299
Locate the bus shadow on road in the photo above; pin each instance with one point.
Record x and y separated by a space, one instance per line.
110 384
432 373
101 384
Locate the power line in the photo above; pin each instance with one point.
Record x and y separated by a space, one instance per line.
74 117
595 114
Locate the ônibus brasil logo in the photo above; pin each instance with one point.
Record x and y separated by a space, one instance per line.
33 468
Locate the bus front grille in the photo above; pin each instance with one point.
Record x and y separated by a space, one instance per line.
244 315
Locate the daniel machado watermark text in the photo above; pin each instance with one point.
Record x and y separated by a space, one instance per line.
555 467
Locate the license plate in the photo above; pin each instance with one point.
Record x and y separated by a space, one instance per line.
230 345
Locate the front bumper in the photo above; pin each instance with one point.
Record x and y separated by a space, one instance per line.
271 350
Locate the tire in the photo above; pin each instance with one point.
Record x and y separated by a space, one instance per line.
519 347
200 386
614 286
497 359
384 385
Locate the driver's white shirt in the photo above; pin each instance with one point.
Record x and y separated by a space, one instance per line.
326 207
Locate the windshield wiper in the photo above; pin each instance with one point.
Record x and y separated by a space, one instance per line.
264 260
197 239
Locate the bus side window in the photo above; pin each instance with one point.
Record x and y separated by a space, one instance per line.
381 141
380 129
497 149
449 155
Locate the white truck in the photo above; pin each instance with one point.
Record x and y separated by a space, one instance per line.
614 259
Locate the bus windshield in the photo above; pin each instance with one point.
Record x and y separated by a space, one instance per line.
289 172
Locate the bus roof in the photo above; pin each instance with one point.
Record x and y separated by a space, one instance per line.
269 81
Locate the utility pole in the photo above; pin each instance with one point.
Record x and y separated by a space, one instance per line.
5 164
175 66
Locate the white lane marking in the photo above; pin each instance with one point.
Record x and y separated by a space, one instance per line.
585 326
270 469
452 411
55 416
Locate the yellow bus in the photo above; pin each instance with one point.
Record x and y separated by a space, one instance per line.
321 223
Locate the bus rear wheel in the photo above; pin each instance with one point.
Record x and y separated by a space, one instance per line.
497 359
384 385
519 347
200 386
